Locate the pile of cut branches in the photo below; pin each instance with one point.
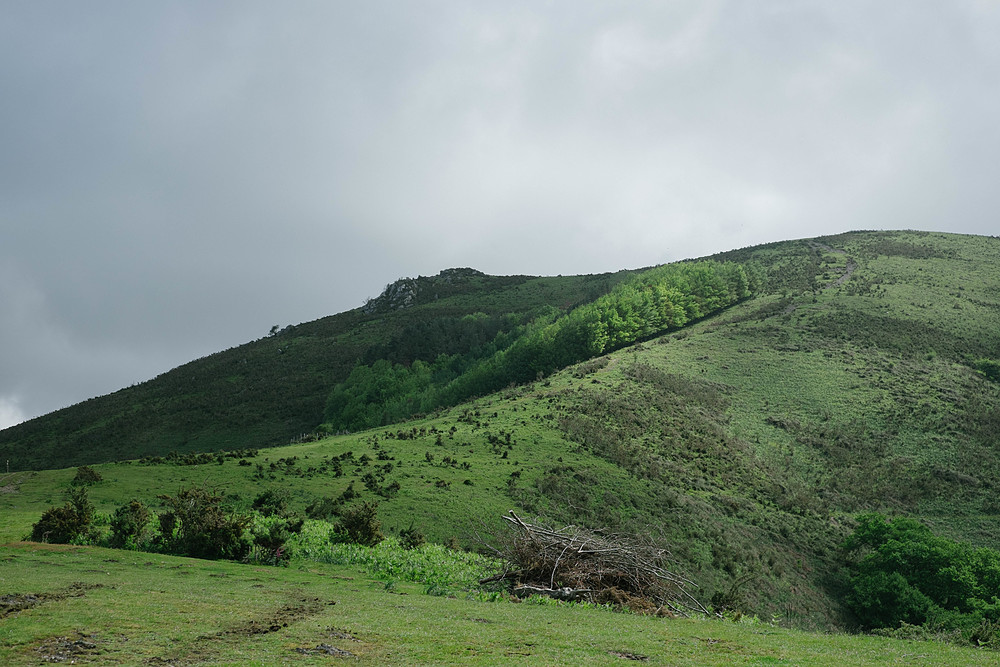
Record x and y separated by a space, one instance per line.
573 563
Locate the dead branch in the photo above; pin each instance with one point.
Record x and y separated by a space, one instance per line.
582 564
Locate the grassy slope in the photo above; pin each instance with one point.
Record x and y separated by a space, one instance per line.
748 439
110 607
268 391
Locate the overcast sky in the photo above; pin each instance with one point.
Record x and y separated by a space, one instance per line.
177 177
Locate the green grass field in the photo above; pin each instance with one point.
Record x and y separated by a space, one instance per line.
86 605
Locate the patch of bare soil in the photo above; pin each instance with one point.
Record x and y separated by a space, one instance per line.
204 647
628 655
16 602
325 649
848 270
342 634
10 484
67 649
281 618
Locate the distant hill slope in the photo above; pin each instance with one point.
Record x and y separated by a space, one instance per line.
908 293
271 390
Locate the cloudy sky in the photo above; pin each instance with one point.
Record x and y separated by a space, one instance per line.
176 178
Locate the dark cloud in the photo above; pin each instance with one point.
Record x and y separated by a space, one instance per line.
176 178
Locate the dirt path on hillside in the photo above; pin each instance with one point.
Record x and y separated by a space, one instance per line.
848 270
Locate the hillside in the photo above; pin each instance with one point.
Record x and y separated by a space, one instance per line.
856 378
271 390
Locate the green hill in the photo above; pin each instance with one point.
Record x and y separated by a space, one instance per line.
274 389
855 376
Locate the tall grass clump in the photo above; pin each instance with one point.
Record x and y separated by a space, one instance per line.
440 569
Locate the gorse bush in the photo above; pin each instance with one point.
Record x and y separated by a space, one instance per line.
269 535
328 507
86 475
195 524
272 502
361 524
69 523
129 526
412 537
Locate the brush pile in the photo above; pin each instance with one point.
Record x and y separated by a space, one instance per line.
573 563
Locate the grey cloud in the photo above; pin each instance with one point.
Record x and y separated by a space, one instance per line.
176 178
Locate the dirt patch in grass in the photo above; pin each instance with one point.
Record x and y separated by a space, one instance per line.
722 645
275 621
13 603
68 649
628 655
325 649
206 646
342 634
330 649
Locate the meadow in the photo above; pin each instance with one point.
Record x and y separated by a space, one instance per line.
87 605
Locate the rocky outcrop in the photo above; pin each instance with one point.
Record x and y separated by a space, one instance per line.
406 292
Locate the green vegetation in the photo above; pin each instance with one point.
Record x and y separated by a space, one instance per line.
857 379
70 523
652 303
274 389
105 607
904 574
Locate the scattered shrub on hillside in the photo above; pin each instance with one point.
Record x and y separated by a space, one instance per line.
988 368
901 573
86 475
195 524
272 502
361 524
128 525
329 507
412 537
269 538
69 523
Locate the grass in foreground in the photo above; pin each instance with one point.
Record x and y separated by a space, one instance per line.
99 606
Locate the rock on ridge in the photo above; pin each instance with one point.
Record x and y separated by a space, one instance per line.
405 292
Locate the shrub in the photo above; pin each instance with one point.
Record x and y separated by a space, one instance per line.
69 523
128 525
86 475
361 524
411 538
195 524
328 506
901 573
323 508
273 502
269 538
988 368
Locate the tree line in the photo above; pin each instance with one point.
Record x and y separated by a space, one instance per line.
654 302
